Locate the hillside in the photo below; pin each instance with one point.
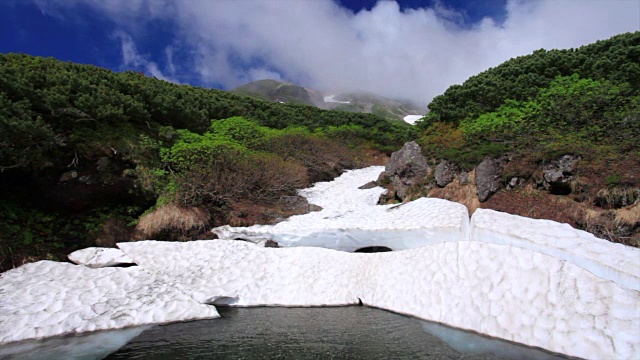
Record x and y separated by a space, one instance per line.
554 134
86 154
281 92
360 102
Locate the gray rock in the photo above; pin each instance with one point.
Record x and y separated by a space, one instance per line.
406 167
488 177
369 185
557 175
271 244
463 178
444 173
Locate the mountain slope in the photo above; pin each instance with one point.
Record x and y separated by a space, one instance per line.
85 152
278 91
362 102
551 135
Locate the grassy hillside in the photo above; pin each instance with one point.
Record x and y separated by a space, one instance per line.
84 152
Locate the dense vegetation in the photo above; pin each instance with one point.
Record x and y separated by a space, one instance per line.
531 111
547 103
81 147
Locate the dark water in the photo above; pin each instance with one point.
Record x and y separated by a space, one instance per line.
316 333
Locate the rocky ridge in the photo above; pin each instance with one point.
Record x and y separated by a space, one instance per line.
556 190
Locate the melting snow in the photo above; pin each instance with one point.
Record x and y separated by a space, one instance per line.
350 219
535 282
47 298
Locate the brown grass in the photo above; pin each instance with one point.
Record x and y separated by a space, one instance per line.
171 218
629 215
463 194
366 157
323 158
617 197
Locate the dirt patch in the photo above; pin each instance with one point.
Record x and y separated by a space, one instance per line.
537 204
244 213
455 191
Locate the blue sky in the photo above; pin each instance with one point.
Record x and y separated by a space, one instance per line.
410 49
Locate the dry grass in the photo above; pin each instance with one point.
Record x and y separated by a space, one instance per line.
629 215
171 218
463 194
617 197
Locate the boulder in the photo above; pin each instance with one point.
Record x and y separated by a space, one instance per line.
406 168
296 205
444 173
463 178
557 175
369 185
488 177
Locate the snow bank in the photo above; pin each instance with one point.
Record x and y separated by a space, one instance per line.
91 346
248 275
350 219
615 262
411 119
499 290
535 282
95 257
47 298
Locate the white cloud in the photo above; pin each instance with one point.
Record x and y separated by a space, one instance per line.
414 54
132 60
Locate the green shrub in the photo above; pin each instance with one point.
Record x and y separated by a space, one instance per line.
245 132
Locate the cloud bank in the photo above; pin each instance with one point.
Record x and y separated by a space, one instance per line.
412 53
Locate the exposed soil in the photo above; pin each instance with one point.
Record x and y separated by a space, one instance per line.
603 198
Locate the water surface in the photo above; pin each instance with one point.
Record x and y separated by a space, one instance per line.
353 332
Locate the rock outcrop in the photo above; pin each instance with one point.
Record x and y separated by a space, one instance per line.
405 169
445 173
558 174
488 177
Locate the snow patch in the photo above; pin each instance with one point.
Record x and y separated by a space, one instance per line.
615 262
331 99
47 298
536 282
503 291
350 219
411 119
96 257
